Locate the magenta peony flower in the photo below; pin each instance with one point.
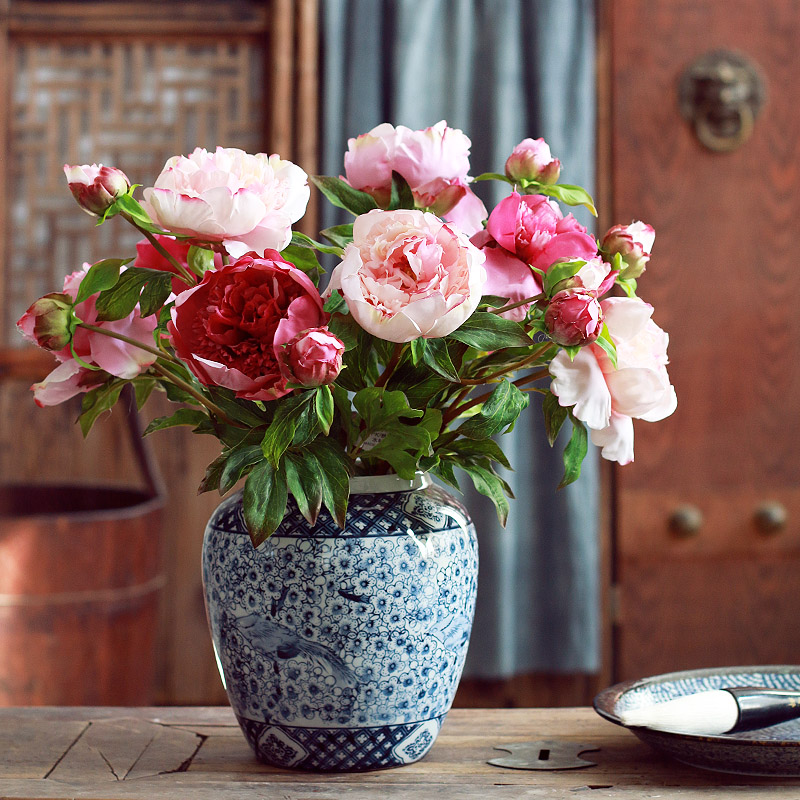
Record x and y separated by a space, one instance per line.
408 274
634 243
229 330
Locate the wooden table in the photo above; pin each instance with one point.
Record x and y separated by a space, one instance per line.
200 754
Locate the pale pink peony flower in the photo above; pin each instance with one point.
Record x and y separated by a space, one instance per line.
531 160
230 329
96 187
434 162
247 202
634 243
533 228
111 355
574 317
407 274
607 399
312 358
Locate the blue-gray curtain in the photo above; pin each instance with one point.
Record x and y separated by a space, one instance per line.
500 70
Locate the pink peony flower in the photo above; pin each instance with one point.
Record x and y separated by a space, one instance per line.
531 160
634 243
230 329
312 358
507 276
247 202
149 258
434 162
607 399
533 228
408 274
96 187
574 317
110 355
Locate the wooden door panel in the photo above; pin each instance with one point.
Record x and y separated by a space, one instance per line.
720 280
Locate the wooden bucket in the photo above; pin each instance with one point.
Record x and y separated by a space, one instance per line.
80 579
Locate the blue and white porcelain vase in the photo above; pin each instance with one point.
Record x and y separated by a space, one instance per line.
342 650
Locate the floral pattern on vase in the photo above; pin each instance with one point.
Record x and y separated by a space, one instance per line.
342 650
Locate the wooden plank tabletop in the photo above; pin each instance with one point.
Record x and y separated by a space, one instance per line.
200 754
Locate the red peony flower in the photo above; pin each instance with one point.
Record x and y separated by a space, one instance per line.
229 330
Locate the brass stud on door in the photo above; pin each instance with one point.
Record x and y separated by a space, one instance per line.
686 521
771 517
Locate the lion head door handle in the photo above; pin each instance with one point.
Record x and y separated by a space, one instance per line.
721 94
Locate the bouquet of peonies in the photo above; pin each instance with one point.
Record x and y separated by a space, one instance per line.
436 324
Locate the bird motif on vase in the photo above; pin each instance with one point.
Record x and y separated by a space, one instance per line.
276 641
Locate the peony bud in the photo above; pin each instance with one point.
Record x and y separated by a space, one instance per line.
312 358
531 160
96 187
633 242
47 322
574 317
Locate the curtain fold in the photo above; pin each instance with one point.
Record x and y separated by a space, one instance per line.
500 70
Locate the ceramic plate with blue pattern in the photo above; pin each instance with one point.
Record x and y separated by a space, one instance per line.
769 751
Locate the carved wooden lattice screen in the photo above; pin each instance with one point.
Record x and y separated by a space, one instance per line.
130 84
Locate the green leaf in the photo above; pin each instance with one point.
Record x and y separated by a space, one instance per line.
571 195
213 474
480 448
437 357
487 331
280 433
155 293
403 445
245 412
324 408
343 195
98 400
102 275
305 259
493 301
335 302
118 301
554 416
607 343
339 235
341 399
200 260
444 470
492 486
574 452
305 484
417 349
301 240
497 415
572 351
402 196
264 501
335 469
379 407
127 205
143 387
239 462
493 176
561 271
183 416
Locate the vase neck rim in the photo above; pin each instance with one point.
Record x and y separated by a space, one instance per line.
380 484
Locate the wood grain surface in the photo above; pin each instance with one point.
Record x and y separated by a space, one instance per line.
726 227
166 753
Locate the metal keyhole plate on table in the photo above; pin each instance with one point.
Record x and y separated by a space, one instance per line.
548 754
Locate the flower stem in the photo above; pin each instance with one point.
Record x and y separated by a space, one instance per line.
128 340
511 306
204 401
510 368
184 274
457 411
390 367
